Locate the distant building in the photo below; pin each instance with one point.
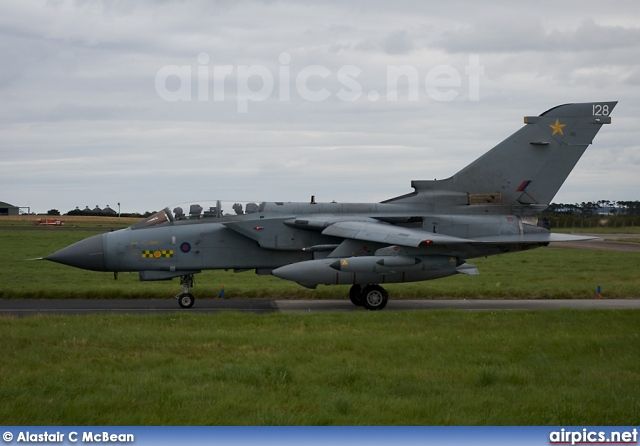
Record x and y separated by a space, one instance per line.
95 211
8 209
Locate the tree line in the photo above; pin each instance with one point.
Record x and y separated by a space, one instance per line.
592 208
584 209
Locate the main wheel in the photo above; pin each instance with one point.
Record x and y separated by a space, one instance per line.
186 300
374 297
355 295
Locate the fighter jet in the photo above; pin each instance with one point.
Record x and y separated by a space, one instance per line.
490 207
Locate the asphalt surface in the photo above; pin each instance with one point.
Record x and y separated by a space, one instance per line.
29 307
601 244
26 307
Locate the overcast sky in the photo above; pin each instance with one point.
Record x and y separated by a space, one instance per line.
153 103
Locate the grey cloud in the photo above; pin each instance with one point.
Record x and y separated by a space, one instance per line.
590 36
633 79
530 35
395 42
81 122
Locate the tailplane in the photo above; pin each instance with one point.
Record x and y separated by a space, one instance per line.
528 168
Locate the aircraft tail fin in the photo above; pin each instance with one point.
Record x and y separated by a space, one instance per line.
528 168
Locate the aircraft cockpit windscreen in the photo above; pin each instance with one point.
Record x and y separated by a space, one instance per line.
201 210
215 209
164 216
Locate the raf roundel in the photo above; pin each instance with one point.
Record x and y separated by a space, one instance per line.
185 247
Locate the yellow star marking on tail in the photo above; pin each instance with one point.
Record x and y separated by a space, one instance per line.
344 263
557 127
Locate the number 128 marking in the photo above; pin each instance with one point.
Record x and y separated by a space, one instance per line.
601 109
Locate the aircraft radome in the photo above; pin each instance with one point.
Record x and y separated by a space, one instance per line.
490 207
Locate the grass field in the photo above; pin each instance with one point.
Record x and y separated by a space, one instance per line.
599 230
357 368
541 273
389 368
627 239
70 221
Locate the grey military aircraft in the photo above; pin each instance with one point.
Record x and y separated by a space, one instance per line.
490 207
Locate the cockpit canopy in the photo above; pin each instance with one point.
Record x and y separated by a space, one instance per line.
201 210
215 209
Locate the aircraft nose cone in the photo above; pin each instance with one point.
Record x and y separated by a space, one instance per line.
85 254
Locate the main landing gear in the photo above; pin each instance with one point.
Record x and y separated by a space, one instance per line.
372 297
186 299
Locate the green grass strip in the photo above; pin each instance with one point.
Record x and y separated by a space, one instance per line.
541 273
389 368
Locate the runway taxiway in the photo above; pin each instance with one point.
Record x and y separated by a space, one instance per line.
27 307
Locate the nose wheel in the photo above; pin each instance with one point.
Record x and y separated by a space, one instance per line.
186 299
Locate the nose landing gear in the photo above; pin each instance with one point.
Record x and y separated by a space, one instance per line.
186 299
